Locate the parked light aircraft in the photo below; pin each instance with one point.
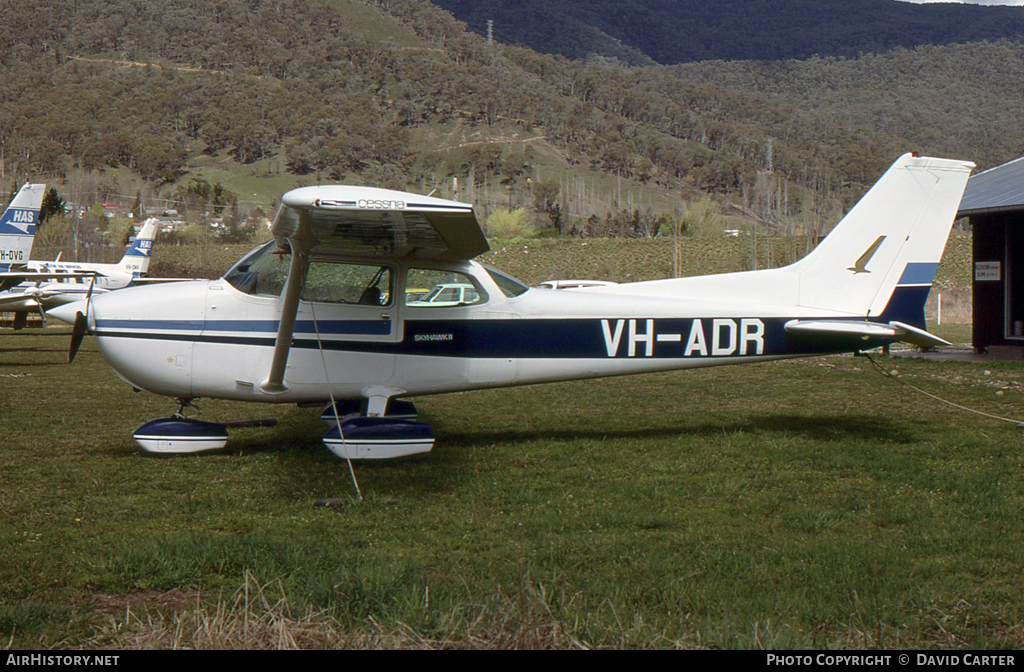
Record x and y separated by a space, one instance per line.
47 284
17 233
331 311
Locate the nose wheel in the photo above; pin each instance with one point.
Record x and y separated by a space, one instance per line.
180 435
182 404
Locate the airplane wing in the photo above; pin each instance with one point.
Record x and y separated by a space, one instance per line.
12 301
859 329
14 278
147 280
363 222
371 222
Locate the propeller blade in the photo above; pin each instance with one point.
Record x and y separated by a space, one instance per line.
77 334
81 325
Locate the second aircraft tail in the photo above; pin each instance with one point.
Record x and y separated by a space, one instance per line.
136 258
18 225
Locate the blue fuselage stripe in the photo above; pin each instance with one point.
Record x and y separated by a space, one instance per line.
668 338
185 327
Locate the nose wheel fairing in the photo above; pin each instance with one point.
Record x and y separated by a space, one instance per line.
178 436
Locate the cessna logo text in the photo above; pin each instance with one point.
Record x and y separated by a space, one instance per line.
380 205
718 337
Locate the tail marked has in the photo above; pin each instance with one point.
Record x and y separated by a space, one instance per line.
136 259
18 225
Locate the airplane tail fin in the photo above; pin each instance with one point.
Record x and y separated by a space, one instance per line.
877 264
136 259
880 260
18 225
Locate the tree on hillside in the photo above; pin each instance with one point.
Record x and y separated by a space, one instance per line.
545 200
52 205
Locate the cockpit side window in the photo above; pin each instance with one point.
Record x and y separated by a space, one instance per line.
340 282
263 272
430 288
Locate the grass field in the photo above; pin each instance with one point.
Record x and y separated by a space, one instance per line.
805 503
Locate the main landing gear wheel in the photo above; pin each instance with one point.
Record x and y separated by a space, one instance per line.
363 437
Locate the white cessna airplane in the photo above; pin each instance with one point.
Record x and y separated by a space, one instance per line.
39 285
332 311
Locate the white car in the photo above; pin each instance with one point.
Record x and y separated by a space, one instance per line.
448 294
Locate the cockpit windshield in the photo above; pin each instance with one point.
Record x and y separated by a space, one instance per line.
261 272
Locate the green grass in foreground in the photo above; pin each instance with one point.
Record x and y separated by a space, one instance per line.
794 504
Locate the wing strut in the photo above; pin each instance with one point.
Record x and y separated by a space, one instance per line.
274 384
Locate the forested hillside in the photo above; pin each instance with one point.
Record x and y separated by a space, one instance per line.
677 31
396 93
962 100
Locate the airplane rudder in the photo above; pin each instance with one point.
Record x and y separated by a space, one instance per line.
907 301
140 247
18 224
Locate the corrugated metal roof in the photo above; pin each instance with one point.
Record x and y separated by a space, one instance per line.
998 189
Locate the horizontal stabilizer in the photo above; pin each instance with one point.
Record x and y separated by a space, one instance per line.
847 329
919 337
